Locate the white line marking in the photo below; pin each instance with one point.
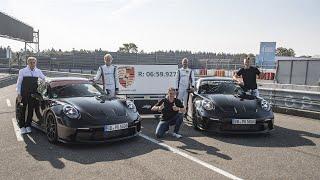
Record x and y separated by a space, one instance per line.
31 139
8 103
16 129
176 151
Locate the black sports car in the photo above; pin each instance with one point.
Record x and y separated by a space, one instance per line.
220 105
74 110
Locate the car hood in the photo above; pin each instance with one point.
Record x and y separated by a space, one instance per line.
98 108
233 103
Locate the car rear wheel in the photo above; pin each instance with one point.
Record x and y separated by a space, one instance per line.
51 128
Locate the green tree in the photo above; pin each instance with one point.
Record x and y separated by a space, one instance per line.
281 51
128 48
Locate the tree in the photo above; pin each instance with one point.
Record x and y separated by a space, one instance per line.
281 51
128 48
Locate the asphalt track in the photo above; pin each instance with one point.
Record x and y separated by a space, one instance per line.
292 151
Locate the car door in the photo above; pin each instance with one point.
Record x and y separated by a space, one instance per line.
41 102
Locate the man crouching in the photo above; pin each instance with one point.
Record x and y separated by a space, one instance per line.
171 109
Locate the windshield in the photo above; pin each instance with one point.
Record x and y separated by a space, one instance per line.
217 87
76 90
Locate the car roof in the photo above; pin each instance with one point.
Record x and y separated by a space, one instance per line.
215 78
56 79
62 81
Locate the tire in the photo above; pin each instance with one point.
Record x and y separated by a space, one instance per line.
18 112
195 120
51 128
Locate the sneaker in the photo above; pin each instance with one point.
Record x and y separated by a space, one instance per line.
28 129
23 130
176 135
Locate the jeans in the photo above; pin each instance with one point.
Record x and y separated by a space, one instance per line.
163 126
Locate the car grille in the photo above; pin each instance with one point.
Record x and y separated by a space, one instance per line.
242 127
98 134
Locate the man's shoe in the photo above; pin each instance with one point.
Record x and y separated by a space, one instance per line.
28 129
176 135
23 130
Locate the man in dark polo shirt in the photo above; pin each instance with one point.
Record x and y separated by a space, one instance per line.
172 109
249 77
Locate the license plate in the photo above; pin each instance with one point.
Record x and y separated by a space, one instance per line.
243 121
115 127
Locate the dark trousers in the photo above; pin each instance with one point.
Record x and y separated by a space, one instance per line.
163 126
30 103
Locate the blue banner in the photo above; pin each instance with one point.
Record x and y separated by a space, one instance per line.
267 56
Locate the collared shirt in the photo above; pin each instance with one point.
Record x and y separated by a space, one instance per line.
184 80
27 72
111 79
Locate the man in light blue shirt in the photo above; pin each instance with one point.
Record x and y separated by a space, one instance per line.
27 84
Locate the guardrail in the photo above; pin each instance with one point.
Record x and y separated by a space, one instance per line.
294 102
9 80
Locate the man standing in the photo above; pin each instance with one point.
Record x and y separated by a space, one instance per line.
185 82
171 109
249 77
109 75
27 84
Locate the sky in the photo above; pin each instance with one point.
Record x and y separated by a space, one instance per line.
230 26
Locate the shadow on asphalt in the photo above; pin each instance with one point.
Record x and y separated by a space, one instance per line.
40 149
279 137
189 144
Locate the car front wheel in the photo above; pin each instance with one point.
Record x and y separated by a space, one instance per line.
195 119
51 128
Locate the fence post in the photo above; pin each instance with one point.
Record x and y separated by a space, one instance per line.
290 72
137 58
306 77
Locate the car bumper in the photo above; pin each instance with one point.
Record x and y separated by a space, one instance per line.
96 134
226 126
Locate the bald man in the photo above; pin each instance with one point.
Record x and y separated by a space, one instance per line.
185 82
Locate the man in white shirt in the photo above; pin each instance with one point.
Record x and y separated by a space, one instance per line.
109 75
185 82
27 84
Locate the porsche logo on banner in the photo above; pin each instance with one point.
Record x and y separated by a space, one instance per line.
126 76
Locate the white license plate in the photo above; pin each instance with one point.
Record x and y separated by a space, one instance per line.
115 127
243 121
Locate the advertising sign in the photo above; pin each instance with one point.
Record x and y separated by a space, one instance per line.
146 79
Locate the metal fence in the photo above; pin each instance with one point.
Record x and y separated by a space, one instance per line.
94 59
90 62
294 99
302 71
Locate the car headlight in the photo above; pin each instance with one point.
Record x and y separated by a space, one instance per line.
265 105
131 106
71 112
207 105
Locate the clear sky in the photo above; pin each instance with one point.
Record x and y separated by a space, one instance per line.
231 26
